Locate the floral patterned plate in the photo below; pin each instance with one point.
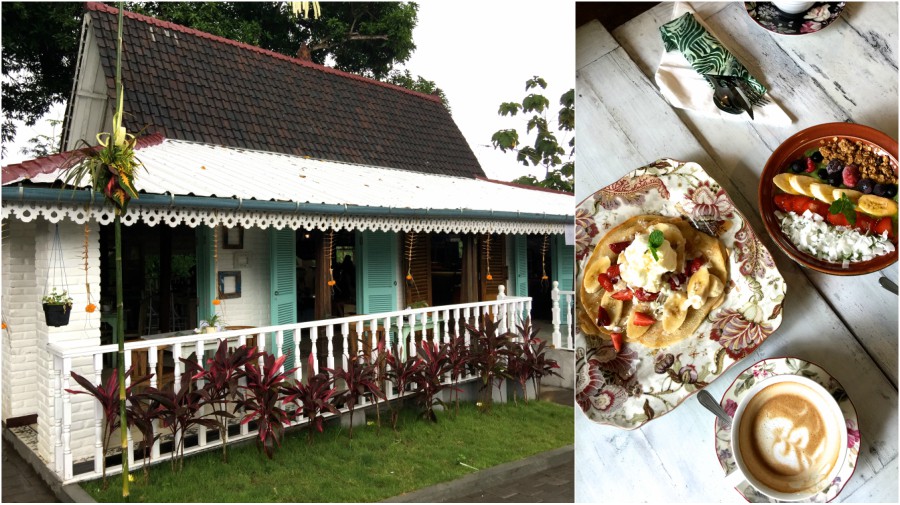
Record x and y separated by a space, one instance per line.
782 366
639 384
817 18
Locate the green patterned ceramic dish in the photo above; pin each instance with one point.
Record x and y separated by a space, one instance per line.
783 366
639 384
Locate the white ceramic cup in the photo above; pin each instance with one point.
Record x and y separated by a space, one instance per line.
834 422
791 7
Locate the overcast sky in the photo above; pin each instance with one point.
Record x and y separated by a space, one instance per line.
480 54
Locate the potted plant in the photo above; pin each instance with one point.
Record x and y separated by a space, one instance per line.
211 325
57 307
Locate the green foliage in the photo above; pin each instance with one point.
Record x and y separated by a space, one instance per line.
420 84
40 42
546 149
57 298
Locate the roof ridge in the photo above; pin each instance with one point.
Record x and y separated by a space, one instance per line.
524 186
98 6
52 162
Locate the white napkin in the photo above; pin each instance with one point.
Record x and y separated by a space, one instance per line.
684 88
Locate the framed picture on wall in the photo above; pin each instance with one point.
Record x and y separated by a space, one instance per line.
229 284
233 238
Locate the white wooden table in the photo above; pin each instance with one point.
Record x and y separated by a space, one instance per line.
847 72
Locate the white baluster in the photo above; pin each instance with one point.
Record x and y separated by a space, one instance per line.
447 323
329 335
412 334
345 351
359 340
244 429
57 416
98 417
261 343
152 363
314 338
373 327
176 356
554 300
199 349
298 360
279 346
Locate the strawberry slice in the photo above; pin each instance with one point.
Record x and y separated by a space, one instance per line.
800 204
613 273
817 207
605 282
618 247
885 225
783 201
864 223
624 295
676 281
603 317
642 319
645 296
695 264
617 341
837 219
810 165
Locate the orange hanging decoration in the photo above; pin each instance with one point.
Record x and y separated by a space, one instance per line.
329 249
487 255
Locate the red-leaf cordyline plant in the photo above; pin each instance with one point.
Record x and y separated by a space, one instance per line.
108 395
142 411
534 361
220 387
180 410
430 377
489 356
361 379
401 372
261 403
313 399
458 358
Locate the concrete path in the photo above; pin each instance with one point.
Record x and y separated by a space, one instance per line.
21 483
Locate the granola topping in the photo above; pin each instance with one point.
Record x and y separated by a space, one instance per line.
871 164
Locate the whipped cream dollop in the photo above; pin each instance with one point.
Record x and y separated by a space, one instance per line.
639 269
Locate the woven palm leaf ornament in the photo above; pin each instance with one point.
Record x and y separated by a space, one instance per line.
90 307
545 246
329 251
409 246
487 256
215 251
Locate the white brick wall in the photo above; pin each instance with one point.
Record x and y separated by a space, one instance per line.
20 306
83 329
252 308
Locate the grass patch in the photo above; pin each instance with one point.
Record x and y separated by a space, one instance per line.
372 467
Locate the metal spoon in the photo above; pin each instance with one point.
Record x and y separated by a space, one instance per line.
713 406
728 96
888 284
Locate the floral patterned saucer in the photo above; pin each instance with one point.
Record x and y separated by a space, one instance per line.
782 366
817 18
639 384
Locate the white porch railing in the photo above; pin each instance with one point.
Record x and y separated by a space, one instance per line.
340 334
563 303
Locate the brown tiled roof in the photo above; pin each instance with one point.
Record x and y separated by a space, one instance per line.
190 85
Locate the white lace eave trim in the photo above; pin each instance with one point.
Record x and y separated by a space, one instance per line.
176 216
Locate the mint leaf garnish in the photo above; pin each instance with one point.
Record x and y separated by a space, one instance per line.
844 205
655 242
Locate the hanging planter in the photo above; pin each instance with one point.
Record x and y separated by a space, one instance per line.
56 300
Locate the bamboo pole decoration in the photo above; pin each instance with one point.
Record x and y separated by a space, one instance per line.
487 255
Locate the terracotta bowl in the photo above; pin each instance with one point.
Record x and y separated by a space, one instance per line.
793 148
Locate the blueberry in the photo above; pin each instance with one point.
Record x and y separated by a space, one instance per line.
823 174
834 167
866 186
835 179
798 166
885 190
817 157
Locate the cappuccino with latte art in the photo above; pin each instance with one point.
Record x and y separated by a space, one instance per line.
789 437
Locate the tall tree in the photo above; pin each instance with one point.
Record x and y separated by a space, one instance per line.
40 41
546 149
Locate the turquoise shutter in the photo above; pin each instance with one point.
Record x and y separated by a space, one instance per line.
377 272
206 282
283 285
520 255
563 269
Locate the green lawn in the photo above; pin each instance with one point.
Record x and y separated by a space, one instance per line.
373 467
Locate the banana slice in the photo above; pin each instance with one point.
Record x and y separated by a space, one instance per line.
716 287
633 331
877 206
801 184
822 192
591 285
673 313
699 283
676 239
852 194
783 181
613 307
